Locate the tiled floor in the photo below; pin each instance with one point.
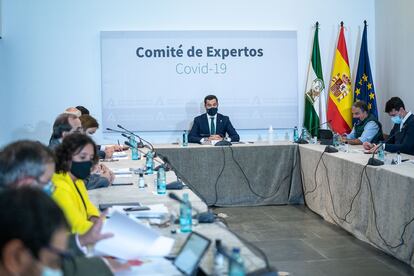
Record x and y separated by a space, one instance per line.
300 242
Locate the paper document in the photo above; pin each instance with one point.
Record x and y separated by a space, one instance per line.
132 239
122 171
119 154
156 210
152 266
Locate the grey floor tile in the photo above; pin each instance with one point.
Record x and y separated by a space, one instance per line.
284 250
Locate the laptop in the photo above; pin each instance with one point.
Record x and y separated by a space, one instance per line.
191 253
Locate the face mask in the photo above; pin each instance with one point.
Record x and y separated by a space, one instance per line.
396 119
47 271
81 169
212 111
49 188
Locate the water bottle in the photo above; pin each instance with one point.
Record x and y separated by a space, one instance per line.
185 138
236 268
270 137
218 269
304 135
186 220
161 181
141 181
381 154
295 134
336 140
398 158
134 150
149 163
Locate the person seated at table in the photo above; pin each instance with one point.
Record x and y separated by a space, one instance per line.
366 129
75 158
401 138
64 124
212 126
29 163
33 235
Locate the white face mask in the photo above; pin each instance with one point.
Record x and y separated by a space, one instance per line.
47 271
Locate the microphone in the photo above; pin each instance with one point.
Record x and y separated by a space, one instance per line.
376 162
303 141
114 130
203 217
139 137
140 144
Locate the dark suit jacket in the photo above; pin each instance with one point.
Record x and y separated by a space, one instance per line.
201 129
81 265
402 141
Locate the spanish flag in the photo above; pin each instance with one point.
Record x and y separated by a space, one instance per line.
340 90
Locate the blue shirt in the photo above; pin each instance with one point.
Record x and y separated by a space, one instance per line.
370 130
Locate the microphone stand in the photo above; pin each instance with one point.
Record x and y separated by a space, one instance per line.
376 162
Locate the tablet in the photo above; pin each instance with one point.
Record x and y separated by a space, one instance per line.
191 253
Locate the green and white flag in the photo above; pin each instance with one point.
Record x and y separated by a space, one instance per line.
315 97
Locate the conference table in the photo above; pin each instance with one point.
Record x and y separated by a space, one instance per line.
148 196
376 204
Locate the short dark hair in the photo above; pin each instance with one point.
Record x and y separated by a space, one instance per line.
394 103
361 105
88 121
61 125
209 98
83 110
71 145
31 216
22 159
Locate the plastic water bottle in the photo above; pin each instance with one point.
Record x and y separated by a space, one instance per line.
141 181
185 138
134 150
236 268
150 163
304 135
398 158
218 269
270 137
186 220
161 181
295 134
381 154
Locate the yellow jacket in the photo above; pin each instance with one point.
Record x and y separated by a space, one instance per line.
70 201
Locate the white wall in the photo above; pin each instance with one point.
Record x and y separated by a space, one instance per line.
51 48
394 53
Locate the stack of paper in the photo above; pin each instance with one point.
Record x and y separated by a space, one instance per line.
132 239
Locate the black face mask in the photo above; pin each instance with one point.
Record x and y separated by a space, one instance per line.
81 169
212 111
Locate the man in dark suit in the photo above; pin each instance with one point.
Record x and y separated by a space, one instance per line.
212 126
402 134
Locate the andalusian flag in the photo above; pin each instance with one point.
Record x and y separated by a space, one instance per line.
340 90
364 84
315 99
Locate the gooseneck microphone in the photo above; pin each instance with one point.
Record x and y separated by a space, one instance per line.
139 137
376 162
203 217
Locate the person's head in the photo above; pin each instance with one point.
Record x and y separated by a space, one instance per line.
83 110
34 233
360 110
66 124
73 111
211 104
26 163
89 124
396 109
76 155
